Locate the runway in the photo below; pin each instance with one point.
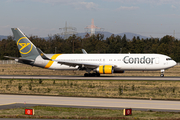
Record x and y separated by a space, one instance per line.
29 100
87 78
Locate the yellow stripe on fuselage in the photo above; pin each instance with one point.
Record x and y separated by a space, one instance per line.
51 62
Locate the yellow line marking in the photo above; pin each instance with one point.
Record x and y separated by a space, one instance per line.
8 104
51 62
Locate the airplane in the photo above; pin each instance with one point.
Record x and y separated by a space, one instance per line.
93 64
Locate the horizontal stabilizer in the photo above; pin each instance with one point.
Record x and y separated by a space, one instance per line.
21 60
11 57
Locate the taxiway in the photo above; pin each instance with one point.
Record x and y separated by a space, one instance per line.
158 105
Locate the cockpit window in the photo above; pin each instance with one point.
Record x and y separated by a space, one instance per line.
168 58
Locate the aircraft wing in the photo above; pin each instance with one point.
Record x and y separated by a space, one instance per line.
81 64
72 63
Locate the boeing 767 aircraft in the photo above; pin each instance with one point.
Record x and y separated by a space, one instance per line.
94 64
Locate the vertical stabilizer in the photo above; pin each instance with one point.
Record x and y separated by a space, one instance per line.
26 47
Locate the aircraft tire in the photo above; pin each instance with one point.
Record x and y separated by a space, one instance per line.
91 75
98 75
86 75
162 75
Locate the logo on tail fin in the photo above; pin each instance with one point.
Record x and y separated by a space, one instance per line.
24 46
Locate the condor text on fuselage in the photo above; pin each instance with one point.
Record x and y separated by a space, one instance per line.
137 60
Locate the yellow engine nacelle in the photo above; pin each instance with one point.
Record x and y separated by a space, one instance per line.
105 69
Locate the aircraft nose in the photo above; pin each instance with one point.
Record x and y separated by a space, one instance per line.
174 63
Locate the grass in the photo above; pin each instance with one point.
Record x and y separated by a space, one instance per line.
48 112
91 88
169 90
22 69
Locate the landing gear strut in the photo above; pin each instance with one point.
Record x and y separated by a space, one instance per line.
162 73
91 75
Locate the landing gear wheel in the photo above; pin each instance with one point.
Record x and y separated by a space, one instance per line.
91 75
98 75
162 75
86 75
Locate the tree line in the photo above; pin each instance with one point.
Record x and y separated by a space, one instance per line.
167 45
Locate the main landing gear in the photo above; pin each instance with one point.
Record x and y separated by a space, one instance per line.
91 75
162 73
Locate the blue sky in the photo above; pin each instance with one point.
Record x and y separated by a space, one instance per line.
155 18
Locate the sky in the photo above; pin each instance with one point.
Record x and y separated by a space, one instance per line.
151 18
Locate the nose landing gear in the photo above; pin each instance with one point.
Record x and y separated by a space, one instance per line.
162 73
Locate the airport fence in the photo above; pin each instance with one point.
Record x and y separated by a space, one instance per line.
14 62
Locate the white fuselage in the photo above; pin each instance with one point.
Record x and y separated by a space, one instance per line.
119 61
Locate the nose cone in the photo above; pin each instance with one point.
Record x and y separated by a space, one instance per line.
174 63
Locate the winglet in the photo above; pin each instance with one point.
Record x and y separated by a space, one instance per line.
84 51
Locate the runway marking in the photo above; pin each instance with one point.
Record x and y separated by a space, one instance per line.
8 104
